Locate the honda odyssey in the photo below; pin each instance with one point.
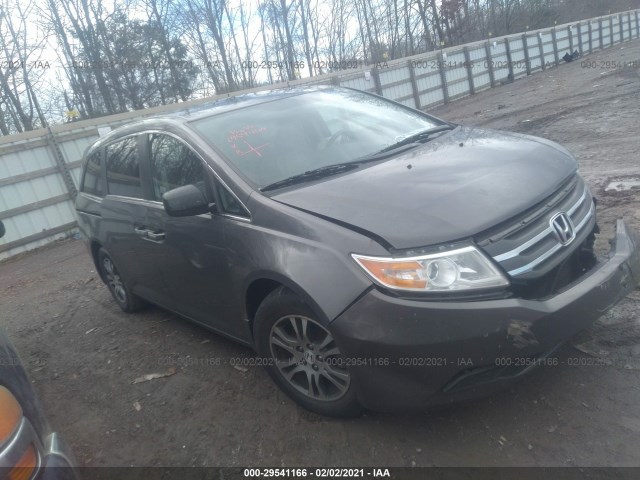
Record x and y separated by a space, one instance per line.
373 255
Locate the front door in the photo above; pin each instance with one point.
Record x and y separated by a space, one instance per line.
194 267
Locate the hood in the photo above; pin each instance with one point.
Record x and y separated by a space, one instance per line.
448 189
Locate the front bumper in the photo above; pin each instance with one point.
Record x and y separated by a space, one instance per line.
411 354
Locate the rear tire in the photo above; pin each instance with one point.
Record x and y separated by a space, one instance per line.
119 289
302 357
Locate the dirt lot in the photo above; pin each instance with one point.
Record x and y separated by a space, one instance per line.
83 354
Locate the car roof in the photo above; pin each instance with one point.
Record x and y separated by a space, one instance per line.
235 102
240 101
208 109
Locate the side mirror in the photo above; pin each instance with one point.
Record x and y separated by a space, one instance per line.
185 201
2 230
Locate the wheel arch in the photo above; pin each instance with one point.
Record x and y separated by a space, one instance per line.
263 283
94 248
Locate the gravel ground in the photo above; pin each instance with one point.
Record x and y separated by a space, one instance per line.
83 354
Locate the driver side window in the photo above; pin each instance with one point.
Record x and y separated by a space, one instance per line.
174 164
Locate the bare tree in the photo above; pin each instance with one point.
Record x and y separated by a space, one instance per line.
114 59
22 74
159 13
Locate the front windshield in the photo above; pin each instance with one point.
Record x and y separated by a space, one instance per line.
275 140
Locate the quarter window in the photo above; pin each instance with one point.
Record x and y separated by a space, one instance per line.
173 165
228 203
123 168
92 182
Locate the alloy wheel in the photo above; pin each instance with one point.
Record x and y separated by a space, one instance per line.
114 280
308 358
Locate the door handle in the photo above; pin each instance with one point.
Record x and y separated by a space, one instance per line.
155 236
150 235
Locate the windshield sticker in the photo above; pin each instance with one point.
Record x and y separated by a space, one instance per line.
241 140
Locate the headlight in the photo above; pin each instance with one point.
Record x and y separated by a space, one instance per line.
10 414
454 270
11 418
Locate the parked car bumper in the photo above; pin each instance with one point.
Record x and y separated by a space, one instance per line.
32 437
54 459
412 354
58 461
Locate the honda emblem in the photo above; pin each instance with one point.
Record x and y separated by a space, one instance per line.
563 228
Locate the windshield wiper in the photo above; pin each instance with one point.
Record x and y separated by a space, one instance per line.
314 174
418 137
337 168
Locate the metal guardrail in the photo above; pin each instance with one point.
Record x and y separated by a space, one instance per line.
40 169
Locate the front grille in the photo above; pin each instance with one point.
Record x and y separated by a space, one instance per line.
529 247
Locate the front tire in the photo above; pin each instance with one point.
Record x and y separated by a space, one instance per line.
119 289
302 356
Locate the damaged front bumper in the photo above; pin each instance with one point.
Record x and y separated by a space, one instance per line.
410 354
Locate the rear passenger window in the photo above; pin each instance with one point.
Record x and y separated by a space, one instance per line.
92 182
173 165
123 168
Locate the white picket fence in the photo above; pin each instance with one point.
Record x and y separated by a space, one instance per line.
40 170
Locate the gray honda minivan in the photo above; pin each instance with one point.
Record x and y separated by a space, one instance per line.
374 256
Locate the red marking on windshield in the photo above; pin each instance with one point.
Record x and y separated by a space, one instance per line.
244 132
251 149
241 135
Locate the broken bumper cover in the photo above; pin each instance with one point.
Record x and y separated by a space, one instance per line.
411 354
